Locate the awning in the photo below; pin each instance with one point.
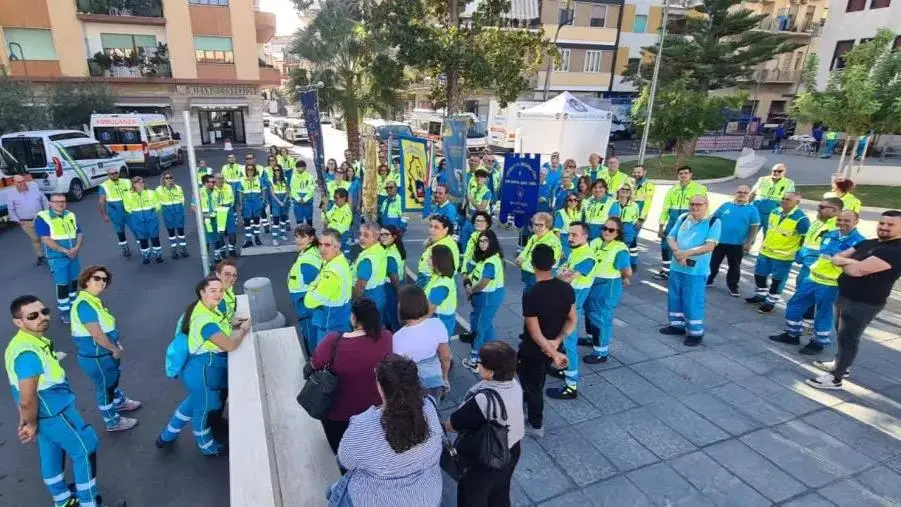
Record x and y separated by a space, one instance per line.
218 103
520 10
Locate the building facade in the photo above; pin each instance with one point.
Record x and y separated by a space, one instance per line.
166 56
851 22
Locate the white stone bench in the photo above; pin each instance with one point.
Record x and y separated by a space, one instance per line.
278 454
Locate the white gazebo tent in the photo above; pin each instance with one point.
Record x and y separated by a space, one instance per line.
564 124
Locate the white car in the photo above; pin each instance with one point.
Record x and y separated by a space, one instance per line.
295 131
63 161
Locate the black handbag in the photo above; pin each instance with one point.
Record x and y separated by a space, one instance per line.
450 461
486 446
318 393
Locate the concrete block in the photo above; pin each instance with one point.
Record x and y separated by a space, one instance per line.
616 492
616 444
261 301
634 386
606 398
747 402
580 460
716 483
809 500
665 487
652 433
857 435
687 423
752 468
573 411
722 414
538 475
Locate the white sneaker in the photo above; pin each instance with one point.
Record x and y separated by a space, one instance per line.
829 366
473 365
826 381
534 432
125 423
129 405
274 242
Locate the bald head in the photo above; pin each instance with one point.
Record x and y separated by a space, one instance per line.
790 200
742 193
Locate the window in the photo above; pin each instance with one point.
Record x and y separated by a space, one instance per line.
565 16
126 45
592 61
29 44
28 150
68 135
634 64
88 152
856 5
213 49
157 133
118 135
640 25
897 45
208 2
841 47
879 4
563 66
598 15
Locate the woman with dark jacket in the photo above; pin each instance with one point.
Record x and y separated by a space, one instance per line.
481 486
356 355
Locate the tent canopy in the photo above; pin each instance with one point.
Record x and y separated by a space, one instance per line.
565 106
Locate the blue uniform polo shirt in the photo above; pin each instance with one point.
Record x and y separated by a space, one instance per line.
736 221
448 209
50 401
834 243
689 234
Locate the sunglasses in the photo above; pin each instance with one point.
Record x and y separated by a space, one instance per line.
34 315
825 207
778 171
97 278
168 178
611 229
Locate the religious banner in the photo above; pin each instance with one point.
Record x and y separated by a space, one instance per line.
413 172
519 190
427 205
454 145
309 104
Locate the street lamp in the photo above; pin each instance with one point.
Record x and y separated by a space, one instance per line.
647 123
550 63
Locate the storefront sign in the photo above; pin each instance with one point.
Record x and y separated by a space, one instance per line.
216 91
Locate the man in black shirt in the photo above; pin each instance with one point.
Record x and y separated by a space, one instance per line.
870 269
550 315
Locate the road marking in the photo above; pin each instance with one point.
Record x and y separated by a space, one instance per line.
268 249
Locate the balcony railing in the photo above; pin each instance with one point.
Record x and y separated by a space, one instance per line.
132 70
138 8
772 24
777 76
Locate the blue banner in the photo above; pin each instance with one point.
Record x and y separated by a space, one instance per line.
309 105
453 144
414 160
519 189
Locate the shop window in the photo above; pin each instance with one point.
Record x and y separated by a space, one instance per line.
29 44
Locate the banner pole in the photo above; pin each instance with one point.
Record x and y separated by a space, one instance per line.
195 186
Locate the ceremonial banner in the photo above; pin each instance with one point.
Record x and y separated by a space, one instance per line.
454 145
427 205
309 104
519 189
414 161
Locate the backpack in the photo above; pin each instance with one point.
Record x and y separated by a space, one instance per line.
177 352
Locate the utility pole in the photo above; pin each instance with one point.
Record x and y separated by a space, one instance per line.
195 190
647 124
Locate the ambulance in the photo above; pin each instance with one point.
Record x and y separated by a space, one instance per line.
430 124
147 142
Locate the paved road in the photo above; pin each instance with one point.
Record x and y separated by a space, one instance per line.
729 423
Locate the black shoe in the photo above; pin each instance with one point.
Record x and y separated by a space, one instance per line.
247 244
585 341
184 252
786 338
593 359
671 330
660 276
692 341
126 252
257 242
554 372
766 307
161 444
756 299
146 260
734 293
41 260
174 254
467 338
811 349
159 259
562 393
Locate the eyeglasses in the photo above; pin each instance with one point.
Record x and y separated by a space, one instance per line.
777 171
34 315
611 229
698 204
98 278
168 178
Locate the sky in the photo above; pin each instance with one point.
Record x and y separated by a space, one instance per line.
286 20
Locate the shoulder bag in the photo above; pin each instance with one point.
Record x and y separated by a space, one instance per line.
486 446
321 387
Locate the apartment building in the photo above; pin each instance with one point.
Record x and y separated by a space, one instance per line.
639 29
168 56
851 22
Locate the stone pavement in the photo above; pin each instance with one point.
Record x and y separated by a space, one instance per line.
728 423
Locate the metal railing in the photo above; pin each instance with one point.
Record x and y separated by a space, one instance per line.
777 75
142 8
775 24
140 70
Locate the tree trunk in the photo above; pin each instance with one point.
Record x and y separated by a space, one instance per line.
840 171
451 74
353 132
684 148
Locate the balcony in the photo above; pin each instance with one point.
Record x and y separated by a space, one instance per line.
270 76
265 24
777 76
146 63
788 25
137 12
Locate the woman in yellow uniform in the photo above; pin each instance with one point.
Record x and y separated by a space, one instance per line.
305 269
841 188
441 289
541 235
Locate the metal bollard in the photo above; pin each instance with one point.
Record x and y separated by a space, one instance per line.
261 301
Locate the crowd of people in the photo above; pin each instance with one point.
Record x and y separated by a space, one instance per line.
356 313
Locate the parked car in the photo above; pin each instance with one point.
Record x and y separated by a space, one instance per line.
63 161
275 125
295 131
147 142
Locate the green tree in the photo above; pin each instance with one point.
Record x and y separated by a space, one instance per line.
18 109
365 75
462 55
863 96
304 77
719 49
71 105
681 114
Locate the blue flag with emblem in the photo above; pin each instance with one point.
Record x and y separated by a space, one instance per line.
519 187
309 104
454 145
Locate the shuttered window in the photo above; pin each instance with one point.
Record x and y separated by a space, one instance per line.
29 44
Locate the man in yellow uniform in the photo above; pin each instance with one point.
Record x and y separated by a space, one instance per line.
787 226
643 196
371 267
329 294
675 203
339 218
613 176
233 172
302 189
767 193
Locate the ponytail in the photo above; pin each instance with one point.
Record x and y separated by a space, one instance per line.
198 290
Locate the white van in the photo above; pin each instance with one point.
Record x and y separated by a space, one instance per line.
503 122
430 124
147 142
63 161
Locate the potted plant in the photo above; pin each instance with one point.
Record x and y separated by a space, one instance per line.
104 62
